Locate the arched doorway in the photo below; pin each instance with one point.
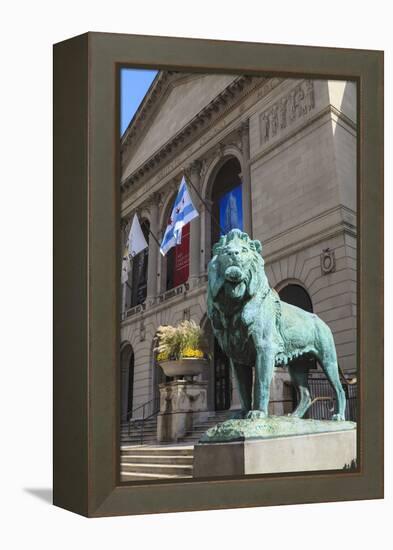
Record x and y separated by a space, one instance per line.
222 379
127 381
218 374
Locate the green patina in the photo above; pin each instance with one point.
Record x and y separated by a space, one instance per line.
257 330
270 427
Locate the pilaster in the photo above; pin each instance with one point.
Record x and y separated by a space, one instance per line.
152 266
246 177
194 174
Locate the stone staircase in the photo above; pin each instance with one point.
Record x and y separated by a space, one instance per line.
151 460
147 462
133 436
200 428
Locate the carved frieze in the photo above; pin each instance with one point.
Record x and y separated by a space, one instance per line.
296 104
207 124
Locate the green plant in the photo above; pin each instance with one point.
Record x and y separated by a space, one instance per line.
185 340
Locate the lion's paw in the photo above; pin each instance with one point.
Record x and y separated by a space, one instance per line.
255 415
338 417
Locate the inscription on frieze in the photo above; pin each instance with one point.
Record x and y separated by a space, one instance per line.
295 105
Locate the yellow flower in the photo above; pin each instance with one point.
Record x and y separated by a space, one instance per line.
163 356
191 352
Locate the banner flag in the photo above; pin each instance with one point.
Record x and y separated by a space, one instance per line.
182 213
136 238
125 266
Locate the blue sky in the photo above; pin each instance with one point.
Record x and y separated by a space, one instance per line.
134 84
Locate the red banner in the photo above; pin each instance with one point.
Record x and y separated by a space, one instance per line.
182 258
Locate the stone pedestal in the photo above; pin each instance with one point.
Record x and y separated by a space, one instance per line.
275 445
302 453
182 404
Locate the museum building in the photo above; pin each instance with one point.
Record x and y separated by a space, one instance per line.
275 157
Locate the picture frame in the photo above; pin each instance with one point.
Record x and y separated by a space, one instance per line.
87 273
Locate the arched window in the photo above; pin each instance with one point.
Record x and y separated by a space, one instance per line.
139 270
226 196
297 296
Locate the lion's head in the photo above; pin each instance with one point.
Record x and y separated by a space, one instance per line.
236 271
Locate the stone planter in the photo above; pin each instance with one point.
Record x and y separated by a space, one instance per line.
183 403
188 366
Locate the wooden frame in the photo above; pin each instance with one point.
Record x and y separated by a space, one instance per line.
86 296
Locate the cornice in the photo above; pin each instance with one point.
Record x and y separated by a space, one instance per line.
308 125
219 106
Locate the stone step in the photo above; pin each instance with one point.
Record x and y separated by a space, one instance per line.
162 450
185 460
137 443
146 428
134 476
171 469
137 437
135 432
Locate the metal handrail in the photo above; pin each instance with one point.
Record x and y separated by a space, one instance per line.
346 381
145 416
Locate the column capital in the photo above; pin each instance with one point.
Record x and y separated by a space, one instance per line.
196 167
244 127
219 150
206 202
155 199
193 170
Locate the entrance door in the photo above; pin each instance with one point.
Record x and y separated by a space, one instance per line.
222 379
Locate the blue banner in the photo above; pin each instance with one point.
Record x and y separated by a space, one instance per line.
231 210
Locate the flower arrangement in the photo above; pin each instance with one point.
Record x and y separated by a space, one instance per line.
181 342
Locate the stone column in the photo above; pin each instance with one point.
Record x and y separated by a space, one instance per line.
152 265
205 236
160 266
246 178
124 373
195 228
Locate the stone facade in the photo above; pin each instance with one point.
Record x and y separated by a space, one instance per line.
295 144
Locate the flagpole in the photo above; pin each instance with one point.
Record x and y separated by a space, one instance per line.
154 238
206 206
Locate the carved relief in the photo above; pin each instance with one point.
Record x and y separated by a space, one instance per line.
295 105
328 261
282 113
265 127
274 119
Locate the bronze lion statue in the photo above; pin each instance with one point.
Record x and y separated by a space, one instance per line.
256 329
